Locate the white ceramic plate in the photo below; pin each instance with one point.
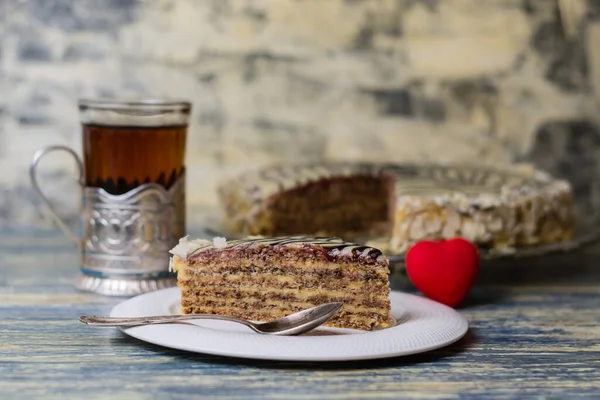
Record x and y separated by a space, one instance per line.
423 325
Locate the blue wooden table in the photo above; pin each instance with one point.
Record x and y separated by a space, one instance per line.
535 333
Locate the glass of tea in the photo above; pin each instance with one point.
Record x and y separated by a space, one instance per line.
133 193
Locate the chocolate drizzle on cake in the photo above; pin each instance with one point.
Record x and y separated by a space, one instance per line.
335 247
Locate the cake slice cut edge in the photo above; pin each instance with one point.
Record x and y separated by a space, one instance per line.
262 279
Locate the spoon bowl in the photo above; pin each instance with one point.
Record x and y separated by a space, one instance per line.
290 325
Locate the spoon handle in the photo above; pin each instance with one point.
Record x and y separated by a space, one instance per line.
159 319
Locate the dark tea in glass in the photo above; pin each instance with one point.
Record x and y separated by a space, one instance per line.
128 144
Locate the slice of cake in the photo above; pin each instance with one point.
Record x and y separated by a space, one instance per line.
263 279
499 208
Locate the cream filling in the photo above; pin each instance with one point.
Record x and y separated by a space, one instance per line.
280 305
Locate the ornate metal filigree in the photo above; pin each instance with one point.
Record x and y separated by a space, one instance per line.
129 235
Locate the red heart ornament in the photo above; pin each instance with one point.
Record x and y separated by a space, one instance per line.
443 270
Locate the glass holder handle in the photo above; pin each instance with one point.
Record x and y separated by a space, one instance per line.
34 181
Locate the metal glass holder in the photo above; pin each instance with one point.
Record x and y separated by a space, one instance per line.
125 243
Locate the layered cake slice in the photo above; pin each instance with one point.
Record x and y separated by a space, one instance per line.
263 279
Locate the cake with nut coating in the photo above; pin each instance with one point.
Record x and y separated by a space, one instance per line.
263 279
497 208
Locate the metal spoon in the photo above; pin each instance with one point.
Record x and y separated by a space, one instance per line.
293 324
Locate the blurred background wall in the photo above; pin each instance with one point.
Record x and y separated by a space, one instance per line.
483 81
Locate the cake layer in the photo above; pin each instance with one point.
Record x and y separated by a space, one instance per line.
285 282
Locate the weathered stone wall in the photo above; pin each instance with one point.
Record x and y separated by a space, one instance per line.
491 81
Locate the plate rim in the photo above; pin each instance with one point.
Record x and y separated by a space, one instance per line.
141 333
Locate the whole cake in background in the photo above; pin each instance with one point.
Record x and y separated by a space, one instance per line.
263 279
491 207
